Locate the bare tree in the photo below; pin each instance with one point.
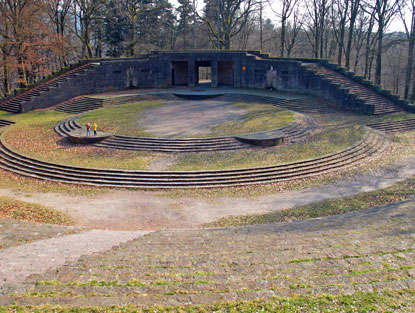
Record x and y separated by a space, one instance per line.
287 7
232 16
87 11
358 39
383 11
317 11
410 35
340 12
354 12
293 30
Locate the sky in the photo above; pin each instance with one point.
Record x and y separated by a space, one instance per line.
395 26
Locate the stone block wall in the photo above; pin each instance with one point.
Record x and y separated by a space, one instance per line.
240 69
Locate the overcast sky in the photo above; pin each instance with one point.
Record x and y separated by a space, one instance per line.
395 25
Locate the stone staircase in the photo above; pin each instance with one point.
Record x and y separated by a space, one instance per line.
381 104
4 123
370 147
79 105
306 105
14 104
358 252
83 104
293 132
394 126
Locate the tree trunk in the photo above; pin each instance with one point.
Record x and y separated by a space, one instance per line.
341 45
227 41
349 42
282 36
411 44
6 84
367 52
378 70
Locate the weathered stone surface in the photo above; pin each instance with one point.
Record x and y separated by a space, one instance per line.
79 137
264 139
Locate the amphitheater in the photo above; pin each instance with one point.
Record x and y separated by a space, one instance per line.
218 182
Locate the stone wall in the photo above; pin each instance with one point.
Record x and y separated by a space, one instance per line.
240 69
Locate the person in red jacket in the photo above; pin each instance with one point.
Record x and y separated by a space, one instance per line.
88 129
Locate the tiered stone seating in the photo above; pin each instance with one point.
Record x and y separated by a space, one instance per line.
372 145
338 255
301 128
79 105
382 105
4 123
395 126
304 105
13 104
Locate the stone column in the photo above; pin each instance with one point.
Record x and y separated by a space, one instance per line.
191 73
214 72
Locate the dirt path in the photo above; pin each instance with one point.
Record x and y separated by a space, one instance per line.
147 210
17 263
178 119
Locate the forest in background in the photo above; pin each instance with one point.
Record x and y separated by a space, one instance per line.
39 37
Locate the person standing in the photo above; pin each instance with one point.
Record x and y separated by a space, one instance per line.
88 129
95 129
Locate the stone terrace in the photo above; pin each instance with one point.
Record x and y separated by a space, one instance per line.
362 251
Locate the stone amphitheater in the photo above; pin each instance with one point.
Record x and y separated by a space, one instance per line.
147 237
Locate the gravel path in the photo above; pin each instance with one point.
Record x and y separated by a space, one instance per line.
17 263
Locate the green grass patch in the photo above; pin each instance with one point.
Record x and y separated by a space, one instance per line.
33 135
26 211
123 119
5 115
260 117
397 192
326 142
378 301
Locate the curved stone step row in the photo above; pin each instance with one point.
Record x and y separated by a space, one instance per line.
293 132
13 104
79 105
382 104
306 105
394 126
371 146
83 104
4 123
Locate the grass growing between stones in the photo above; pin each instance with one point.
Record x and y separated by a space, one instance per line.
260 117
33 135
378 301
5 115
121 119
326 142
28 185
20 210
404 190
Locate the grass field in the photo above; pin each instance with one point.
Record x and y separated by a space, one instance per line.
126 119
326 142
33 135
260 117
121 119
401 191
20 210
376 301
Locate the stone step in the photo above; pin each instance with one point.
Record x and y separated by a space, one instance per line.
372 146
381 104
42 88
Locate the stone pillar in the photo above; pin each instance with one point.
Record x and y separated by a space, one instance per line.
191 73
214 72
